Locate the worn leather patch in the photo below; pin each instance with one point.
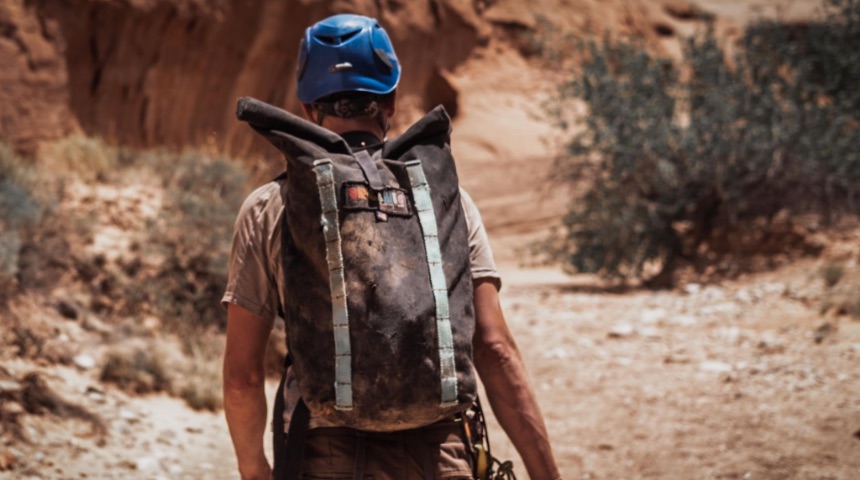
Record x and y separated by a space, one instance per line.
391 201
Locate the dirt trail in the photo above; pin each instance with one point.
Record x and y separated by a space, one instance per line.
716 382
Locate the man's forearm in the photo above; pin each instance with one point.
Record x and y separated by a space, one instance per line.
501 368
245 409
516 408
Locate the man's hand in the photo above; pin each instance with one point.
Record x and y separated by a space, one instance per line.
244 390
501 368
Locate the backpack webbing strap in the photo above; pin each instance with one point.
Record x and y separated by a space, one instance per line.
369 169
278 436
295 447
427 219
288 450
334 257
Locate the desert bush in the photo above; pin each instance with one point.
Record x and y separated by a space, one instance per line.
87 158
138 370
192 238
832 273
687 169
202 385
19 211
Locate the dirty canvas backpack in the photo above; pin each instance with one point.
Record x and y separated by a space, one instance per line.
378 288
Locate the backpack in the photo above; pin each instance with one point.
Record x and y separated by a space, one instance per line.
378 289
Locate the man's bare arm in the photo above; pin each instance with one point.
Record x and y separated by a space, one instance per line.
501 368
244 390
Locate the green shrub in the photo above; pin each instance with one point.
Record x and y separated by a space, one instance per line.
684 170
192 237
138 370
832 273
202 385
19 211
87 158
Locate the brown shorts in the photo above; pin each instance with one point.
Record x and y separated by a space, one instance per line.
330 454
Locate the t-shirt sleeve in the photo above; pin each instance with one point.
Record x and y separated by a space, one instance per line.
480 253
251 279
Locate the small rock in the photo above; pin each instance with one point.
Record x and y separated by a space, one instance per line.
622 330
744 296
84 361
719 308
194 430
67 309
715 367
692 288
144 464
684 320
129 416
9 386
771 346
857 434
823 331
559 352
651 333
653 315
12 408
676 359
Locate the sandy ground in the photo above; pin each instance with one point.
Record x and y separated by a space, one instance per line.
713 382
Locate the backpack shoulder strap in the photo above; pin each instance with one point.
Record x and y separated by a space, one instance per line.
288 447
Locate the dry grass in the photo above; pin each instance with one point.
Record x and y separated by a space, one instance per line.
137 369
87 158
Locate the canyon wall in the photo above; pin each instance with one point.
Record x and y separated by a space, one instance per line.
167 72
153 73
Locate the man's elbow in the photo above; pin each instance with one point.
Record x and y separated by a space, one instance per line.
495 353
243 379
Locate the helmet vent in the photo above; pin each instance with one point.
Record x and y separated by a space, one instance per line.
335 40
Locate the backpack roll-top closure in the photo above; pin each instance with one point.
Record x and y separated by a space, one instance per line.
377 285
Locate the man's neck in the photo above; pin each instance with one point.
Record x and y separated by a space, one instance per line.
342 126
359 140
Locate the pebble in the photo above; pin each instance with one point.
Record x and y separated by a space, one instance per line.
67 309
144 464
715 367
653 315
9 386
12 408
622 330
560 353
84 361
684 320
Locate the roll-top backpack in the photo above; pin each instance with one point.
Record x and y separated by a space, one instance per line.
378 289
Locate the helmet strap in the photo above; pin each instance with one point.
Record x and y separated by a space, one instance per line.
320 117
384 123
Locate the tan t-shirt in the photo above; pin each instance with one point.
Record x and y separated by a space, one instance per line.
255 277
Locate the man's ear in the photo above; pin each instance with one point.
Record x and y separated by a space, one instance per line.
310 113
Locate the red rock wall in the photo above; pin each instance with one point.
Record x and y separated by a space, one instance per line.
167 72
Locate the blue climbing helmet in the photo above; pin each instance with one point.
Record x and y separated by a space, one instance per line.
346 53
